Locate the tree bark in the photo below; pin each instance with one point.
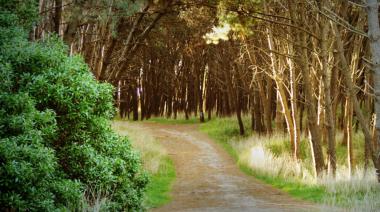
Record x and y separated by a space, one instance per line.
57 16
352 93
329 118
301 39
374 37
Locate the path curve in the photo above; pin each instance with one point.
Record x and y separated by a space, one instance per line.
209 180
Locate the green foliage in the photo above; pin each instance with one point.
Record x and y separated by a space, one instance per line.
20 13
56 143
29 174
239 15
99 11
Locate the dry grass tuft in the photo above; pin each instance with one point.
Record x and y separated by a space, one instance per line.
152 153
356 191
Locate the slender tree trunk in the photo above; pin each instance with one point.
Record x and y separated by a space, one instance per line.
348 132
352 93
57 16
314 129
238 100
240 121
329 118
301 39
135 105
293 103
279 121
374 37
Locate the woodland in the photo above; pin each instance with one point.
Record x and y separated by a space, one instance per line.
305 68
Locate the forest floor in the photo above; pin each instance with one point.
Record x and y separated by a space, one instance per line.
208 179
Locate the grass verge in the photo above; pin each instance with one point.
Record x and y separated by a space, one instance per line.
267 159
155 161
158 190
225 131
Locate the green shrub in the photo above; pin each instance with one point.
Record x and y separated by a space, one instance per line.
56 143
29 174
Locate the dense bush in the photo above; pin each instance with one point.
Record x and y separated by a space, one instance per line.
56 143
29 174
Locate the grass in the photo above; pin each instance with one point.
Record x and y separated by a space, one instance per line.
159 188
155 161
268 159
179 120
297 190
225 131
163 120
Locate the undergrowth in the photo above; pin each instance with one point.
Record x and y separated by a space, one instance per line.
155 160
267 159
57 149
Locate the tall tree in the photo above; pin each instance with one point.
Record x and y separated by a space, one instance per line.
374 37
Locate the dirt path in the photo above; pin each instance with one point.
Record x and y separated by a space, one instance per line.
209 180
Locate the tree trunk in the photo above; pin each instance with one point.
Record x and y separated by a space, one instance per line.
314 129
238 111
329 118
301 39
374 38
57 16
293 103
135 104
352 93
348 133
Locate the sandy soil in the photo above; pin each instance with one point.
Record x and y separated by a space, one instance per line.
209 180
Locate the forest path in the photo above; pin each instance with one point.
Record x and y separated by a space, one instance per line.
209 180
